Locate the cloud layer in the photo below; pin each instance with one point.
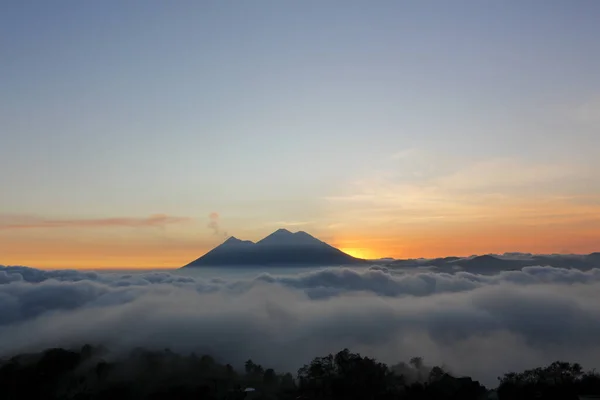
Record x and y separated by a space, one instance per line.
157 220
479 325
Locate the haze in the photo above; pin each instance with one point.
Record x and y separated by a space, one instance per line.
481 326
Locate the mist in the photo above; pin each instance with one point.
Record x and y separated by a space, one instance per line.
480 326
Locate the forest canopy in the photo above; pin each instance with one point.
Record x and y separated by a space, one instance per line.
95 373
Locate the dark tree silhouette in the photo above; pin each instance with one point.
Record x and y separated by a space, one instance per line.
87 374
559 380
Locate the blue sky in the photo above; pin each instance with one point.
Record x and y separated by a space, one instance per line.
274 113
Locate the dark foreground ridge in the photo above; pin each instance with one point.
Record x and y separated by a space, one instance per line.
281 248
94 373
489 263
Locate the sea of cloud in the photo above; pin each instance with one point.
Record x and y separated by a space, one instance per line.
478 325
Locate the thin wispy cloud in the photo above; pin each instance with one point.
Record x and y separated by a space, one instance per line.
214 224
504 175
487 189
157 220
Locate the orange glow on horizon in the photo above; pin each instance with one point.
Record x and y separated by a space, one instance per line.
162 253
149 257
359 252
120 254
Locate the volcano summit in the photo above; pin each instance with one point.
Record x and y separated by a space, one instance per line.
281 248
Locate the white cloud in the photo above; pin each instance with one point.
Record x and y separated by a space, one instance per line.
478 325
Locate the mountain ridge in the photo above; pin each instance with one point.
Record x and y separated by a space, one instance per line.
280 248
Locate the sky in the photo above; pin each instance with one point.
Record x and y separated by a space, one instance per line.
142 133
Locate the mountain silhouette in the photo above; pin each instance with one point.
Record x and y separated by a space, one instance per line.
490 264
280 248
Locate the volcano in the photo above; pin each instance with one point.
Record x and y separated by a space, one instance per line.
281 248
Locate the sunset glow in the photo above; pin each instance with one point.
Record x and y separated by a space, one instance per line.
358 252
144 145
90 249
198 198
